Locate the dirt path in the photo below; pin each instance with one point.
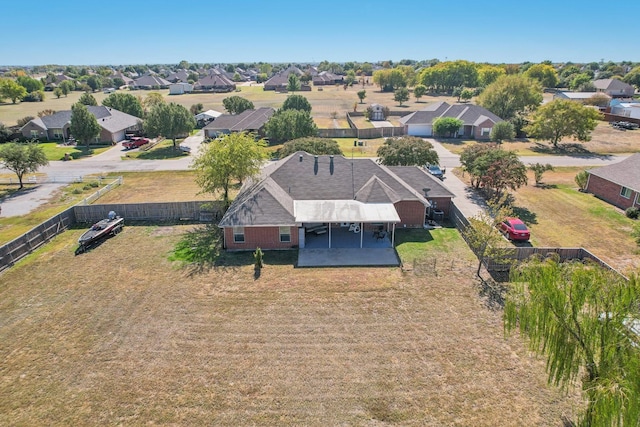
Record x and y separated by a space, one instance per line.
25 201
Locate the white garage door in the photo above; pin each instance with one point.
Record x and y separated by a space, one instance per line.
420 130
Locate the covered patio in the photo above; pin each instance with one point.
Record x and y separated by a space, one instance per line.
346 233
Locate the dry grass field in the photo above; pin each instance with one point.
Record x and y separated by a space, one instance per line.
120 336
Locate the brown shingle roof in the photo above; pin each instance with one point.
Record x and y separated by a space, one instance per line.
625 173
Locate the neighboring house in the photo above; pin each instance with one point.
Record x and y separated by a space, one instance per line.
477 120
180 88
214 83
280 81
247 121
614 88
618 184
326 78
305 195
51 84
178 76
150 82
582 97
113 124
626 109
206 117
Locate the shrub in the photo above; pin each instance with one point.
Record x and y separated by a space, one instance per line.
95 184
77 191
257 256
632 212
581 179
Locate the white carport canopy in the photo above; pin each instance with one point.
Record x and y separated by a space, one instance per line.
315 211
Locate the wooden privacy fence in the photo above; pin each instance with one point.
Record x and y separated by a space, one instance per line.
201 211
34 238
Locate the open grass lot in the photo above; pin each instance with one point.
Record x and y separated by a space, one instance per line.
120 336
55 151
604 140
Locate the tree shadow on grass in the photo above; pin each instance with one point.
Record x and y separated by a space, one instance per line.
567 149
201 250
525 215
493 291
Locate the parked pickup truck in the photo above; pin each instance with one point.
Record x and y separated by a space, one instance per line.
135 142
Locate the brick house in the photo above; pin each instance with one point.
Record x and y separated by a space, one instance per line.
302 196
618 184
477 121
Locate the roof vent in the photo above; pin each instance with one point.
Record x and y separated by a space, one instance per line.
301 157
315 165
331 165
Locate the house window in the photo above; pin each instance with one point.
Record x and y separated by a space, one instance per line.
57 133
625 192
238 234
285 234
34 134
485 132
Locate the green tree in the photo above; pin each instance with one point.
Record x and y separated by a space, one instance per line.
88 99
389 79
22 158
362 94
94 82
293 83
406 151
196 108
12 90
579 80
483 235
560 118
296 102
510 95
401 95
84 126
538 170
582 179
57 92
419 91
445 76
466 94
312 145
543 73
153 99
350 77
488 74
30 84
290 124
124 102
66 86
502 131
493 169
633 77
578 316
169 120
237 104
447 126
5 133
236 156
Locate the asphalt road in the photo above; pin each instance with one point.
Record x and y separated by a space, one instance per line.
60 173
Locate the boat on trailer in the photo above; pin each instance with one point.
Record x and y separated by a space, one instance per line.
109 226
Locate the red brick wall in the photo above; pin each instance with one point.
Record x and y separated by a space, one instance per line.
609 192
478 129
411 214
263 237
443 204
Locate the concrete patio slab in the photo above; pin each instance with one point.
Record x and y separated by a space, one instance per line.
348 257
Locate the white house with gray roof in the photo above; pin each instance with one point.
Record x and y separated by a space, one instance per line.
477 121
54 127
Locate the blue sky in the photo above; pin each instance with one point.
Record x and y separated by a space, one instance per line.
148 32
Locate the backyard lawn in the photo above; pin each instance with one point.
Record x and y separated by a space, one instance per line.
120 335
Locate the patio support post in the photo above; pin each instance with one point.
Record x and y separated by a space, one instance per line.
329 235
393 236
361 234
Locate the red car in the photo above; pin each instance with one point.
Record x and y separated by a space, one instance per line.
135 142
515 229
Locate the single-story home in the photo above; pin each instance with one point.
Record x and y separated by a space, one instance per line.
214 83
247 121
280 80
614 88
327 78
618 184
178 76
150 82
113 125
477 121
303 197
582 97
